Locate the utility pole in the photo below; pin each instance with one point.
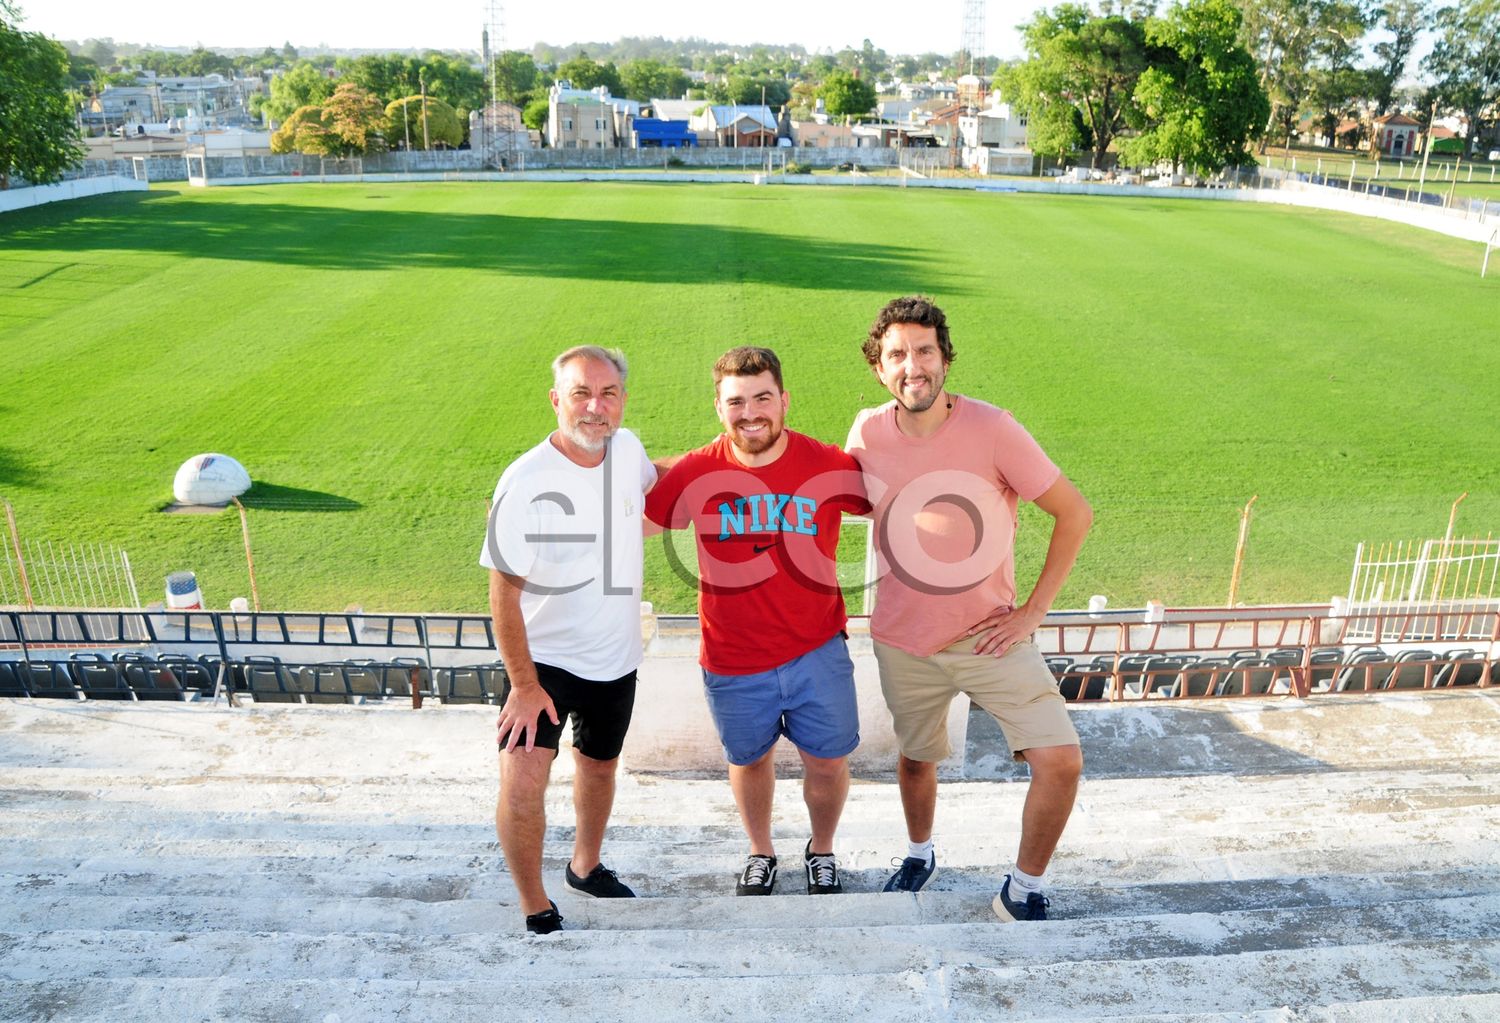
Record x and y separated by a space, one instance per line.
1427 148
422 81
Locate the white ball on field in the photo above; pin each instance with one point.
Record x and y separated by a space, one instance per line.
210 479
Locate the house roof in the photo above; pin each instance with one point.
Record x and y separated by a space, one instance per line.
1397 119
676 109
724 116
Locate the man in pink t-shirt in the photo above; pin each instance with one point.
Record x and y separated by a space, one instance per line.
945 474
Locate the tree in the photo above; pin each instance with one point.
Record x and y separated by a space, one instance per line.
1465 61
536 113
351 122
357 119
1405 20
648 79
101 52
1291 40
1076 60
1201 95
38 136
305 130
304 85
846 96
584 73
404 120
515 76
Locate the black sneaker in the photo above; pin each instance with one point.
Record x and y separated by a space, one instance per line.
912 874
545 922
600 884
758 877
1009 910
822 872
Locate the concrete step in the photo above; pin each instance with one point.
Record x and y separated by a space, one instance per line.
1119 925
929 987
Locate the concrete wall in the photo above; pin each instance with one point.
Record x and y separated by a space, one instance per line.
37 195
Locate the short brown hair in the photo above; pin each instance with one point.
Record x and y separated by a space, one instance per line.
747 361
918 309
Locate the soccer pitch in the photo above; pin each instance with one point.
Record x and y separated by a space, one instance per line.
376 353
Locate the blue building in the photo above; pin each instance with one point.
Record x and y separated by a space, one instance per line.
651 132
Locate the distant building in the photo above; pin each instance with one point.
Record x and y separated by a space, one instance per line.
994 139
735 125
1395 135
821 135
655 133
588 118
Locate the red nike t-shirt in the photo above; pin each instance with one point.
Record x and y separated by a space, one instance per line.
767 539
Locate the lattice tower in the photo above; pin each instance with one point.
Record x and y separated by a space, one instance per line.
971 49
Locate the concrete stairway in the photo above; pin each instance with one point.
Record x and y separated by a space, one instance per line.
1334 860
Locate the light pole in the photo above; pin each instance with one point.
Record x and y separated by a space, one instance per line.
422 81
1427 148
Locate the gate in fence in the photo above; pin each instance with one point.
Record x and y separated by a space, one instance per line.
1423 574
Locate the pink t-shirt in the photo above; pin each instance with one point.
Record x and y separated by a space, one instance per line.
945 518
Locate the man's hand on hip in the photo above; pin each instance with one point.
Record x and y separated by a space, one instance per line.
1004 628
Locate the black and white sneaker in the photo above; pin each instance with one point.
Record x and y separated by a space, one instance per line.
601 883
758 877
822 872
1011 911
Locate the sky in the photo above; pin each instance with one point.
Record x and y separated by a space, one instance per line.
456 24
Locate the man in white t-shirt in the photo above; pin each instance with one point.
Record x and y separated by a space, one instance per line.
564 553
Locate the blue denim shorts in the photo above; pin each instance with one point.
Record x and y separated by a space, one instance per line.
809 699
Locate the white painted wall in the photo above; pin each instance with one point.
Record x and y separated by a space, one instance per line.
37 195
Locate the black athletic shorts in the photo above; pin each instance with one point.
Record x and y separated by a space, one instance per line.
600 711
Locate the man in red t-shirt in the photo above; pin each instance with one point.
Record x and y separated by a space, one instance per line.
766 505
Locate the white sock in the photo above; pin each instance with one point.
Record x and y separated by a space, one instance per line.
1023 884
920 851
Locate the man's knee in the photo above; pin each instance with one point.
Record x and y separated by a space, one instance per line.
915 769
1057 764
524 775
590 771
823 768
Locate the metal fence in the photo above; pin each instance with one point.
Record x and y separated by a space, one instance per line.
69 574
1117 656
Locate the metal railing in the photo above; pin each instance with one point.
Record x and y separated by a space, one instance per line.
1120 656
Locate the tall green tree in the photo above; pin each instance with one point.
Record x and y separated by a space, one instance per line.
1201 95
846 96
1076 61
1465 63
647 79
38 135
1405 21
515 76
304 85
1291 41
584 73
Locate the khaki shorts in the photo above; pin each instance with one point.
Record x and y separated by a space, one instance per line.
1017 690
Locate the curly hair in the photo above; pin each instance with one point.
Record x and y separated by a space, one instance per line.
918 309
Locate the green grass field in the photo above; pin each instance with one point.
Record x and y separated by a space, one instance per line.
375 355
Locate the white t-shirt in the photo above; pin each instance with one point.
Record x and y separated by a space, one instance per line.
574 535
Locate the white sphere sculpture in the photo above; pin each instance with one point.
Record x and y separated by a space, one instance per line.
210 479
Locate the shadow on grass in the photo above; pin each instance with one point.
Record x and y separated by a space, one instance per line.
530 246
16 469
274 497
